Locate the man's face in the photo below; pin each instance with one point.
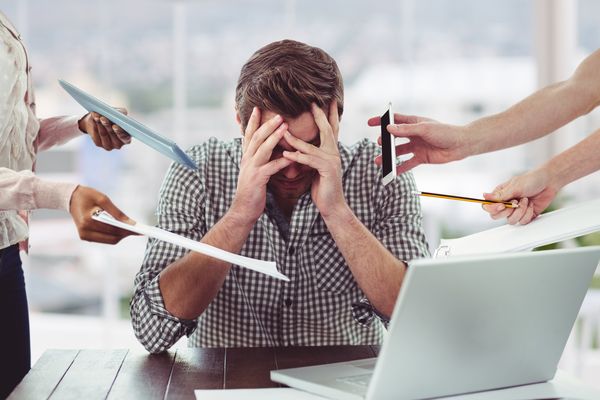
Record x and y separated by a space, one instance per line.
296 179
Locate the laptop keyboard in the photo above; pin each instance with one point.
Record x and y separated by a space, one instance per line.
356 380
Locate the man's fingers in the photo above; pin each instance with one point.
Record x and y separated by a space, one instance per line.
265 150
301 158
334 119
261 134
325 130
274 166
298 144
251 127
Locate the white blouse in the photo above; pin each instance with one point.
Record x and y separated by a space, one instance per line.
21 136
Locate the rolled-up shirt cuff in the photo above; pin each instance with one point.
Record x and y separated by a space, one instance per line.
157 307
53 195
364 313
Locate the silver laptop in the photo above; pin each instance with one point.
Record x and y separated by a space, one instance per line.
466 324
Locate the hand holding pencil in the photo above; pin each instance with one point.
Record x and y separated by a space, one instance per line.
534 191
520 200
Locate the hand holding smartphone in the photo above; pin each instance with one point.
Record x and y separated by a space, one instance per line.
388 150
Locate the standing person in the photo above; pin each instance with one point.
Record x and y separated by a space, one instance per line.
539 114
22 135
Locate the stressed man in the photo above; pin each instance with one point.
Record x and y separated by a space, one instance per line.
289 192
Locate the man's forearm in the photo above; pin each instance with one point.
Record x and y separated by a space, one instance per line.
189 284
378 273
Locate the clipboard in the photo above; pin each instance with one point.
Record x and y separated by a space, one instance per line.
131 126
264 267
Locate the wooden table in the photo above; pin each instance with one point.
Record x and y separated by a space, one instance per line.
121 374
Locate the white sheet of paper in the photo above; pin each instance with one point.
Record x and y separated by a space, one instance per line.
257 394
555 226
264 267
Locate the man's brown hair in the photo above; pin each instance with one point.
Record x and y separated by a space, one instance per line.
285 77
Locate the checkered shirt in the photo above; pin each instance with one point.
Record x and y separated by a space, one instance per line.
321 305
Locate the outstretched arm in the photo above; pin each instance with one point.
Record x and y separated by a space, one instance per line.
542 112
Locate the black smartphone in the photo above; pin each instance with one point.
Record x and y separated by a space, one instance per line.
388 150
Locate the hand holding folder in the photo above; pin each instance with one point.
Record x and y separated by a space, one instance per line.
131 126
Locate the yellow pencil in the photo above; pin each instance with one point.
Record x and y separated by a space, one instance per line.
508 204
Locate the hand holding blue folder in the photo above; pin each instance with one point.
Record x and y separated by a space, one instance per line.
131 126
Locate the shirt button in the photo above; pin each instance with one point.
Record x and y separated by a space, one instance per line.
291 250
288 302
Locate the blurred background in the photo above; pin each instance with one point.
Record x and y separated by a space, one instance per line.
174 65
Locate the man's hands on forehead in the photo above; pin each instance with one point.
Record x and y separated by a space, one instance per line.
327 192
256 167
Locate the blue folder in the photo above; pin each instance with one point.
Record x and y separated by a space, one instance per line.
131 126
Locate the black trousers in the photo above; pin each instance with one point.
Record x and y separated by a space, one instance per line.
15 352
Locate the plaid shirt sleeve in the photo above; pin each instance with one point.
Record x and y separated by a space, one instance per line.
180 210
399 228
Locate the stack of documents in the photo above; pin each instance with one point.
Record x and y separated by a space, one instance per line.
556 226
